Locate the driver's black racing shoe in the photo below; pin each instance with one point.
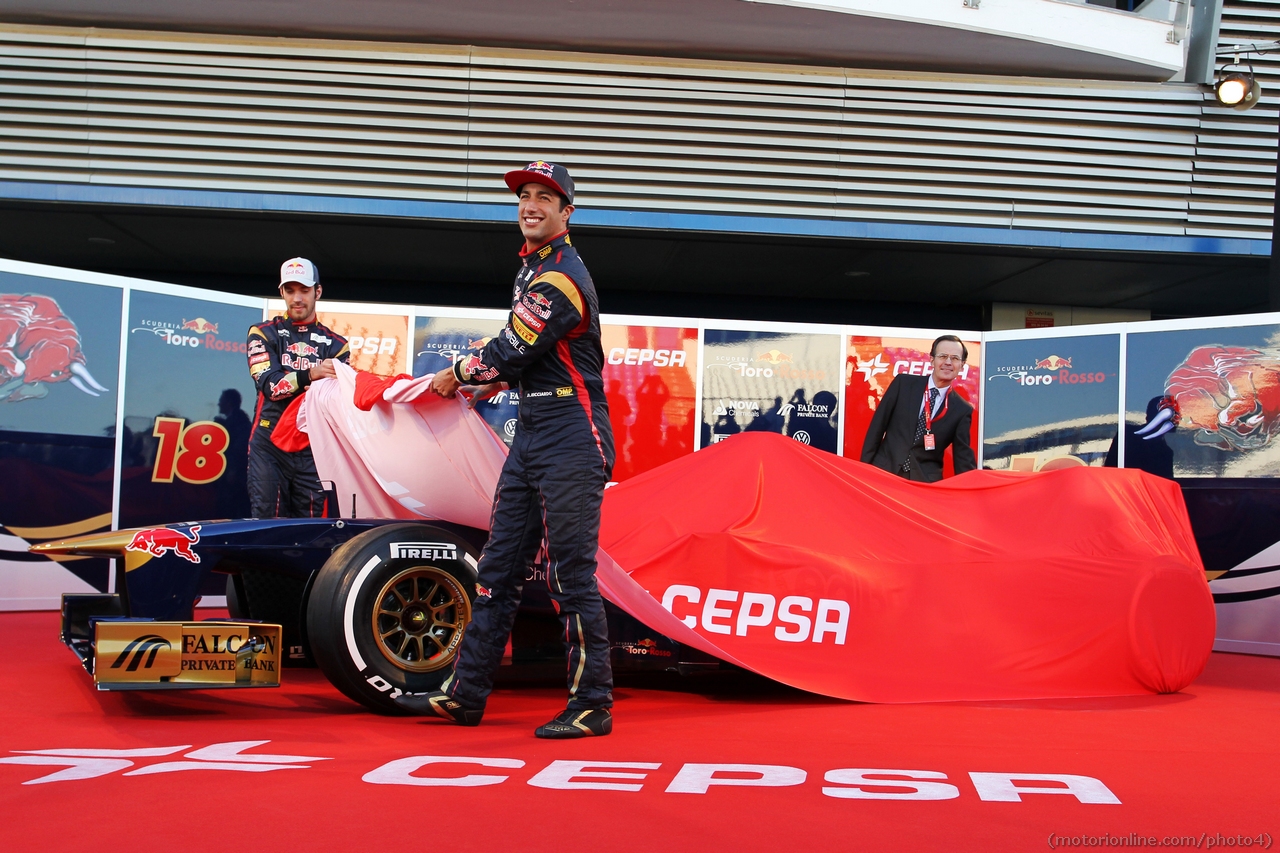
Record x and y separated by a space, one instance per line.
593 722
442 705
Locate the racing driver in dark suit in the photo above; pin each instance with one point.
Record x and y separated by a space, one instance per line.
553 480
285 356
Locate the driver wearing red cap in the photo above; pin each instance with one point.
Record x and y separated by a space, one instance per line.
553 481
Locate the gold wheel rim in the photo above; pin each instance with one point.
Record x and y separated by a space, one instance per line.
418 618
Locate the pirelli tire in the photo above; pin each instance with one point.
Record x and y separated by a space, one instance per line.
386 613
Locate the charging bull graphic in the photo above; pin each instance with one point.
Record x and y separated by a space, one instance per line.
158 540
39 345
1229 395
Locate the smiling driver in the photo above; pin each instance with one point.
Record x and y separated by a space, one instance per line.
553 481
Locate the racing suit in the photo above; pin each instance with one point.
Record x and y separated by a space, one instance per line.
281 355
553 481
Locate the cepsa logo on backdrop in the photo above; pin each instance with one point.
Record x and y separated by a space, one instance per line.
1052 370
871 363
197 333
650 381
377 341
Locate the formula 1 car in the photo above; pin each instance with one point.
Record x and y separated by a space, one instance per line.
379 605
813 570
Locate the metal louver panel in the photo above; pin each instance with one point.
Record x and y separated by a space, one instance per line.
1233 193
442 123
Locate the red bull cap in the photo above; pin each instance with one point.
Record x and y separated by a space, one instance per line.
550 175
300 271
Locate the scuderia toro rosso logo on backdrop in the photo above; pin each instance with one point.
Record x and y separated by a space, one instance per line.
191 334
1058 373
766 365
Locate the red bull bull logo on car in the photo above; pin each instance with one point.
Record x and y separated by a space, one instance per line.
159 540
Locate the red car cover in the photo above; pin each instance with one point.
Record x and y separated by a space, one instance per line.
836 577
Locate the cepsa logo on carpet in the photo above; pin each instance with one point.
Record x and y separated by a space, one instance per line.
442 771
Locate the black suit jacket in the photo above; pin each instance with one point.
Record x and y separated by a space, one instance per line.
889 438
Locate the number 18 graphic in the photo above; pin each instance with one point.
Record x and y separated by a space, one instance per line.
196 454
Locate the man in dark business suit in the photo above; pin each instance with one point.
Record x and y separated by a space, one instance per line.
919 417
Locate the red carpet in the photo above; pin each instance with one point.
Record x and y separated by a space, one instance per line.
1201 764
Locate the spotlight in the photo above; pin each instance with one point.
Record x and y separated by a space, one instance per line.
1238 90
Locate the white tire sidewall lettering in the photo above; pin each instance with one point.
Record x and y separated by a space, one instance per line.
349 612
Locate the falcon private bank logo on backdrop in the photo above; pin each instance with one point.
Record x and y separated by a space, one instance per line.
196 333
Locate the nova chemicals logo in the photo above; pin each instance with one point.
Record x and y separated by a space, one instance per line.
151 643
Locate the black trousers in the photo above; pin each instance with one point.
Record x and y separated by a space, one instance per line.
549 491
283 485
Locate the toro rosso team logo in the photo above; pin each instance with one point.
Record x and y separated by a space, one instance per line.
774 356
39 345
157 540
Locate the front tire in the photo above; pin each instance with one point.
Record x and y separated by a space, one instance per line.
387 612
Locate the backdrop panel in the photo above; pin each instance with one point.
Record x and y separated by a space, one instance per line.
871 363
59 366
782 382
1219 389
1051 402
438 343
187 401
650 378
